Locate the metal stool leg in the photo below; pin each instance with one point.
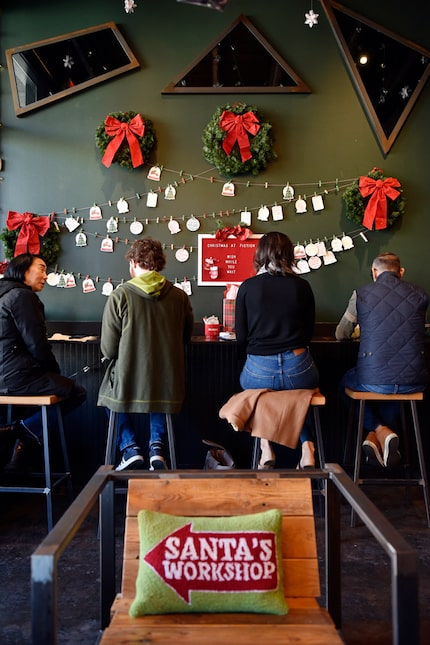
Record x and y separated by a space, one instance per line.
320 445
422 465
255 453
47 467
171 440
67 471
357 460
111 438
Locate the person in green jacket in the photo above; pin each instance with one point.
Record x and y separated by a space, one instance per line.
146 323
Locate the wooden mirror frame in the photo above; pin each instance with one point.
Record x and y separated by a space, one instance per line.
129 62
386 140
298 87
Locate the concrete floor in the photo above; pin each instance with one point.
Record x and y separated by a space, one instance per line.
365 569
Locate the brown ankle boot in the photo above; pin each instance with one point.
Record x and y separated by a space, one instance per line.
389 443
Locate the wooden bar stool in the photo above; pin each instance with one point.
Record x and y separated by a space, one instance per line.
52 479
412 398
316 402
110 454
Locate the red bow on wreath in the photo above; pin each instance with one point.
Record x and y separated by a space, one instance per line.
31 227
376 209
236 126
234 231
119 130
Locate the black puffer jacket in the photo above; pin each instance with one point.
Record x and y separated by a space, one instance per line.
391 314
25 353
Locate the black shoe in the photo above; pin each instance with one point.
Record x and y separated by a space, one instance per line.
19 458
157 460
9 428
25 434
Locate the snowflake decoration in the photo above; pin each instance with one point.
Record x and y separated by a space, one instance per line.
68 61
405 92
311 18
129 6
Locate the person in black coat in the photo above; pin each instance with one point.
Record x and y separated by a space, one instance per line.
27 363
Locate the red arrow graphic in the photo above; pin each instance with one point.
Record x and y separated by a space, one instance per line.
221 561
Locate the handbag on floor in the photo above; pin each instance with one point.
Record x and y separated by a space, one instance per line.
217 457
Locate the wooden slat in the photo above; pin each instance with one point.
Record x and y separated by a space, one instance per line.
374 396
219 496
221 633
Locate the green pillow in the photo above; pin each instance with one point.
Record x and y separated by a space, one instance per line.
209 564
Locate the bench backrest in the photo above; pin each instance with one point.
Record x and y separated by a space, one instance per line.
225 497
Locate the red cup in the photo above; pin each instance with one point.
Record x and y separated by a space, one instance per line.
212 330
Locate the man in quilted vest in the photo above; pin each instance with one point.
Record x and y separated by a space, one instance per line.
389 316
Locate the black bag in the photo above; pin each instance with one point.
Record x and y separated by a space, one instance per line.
217 457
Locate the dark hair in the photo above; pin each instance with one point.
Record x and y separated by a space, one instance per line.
148 254
387 262
19 265
275 252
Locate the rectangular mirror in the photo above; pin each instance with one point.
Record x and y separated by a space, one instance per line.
49 70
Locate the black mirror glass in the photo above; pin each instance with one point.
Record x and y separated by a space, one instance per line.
45 71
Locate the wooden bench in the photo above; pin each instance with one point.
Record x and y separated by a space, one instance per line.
220 493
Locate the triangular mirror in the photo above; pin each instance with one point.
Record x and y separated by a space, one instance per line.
239 60
389 72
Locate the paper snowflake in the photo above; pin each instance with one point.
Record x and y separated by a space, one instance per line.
68 61
129 6
311 18
405 92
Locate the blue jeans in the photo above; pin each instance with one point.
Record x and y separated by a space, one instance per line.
284 371
127 437
377 413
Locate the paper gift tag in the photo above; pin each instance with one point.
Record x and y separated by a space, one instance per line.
81 239
299 252
186 286
154 173
347 242
301 206
182 255
88 285
173 226
107 288
112 225
71 224
245 218
70 281
61 281
136 227
178 285
336 245
263 214
321 249
317 203
106 245
122 206
303 266
170 192
311 249
95 212
193 224
314 262
277 213
53 279
288 193
228 189
329 258
151 200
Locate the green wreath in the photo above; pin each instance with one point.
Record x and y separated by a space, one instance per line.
49 244
261 145
356 204
123 156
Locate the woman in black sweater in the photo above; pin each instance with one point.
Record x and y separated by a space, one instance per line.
275 316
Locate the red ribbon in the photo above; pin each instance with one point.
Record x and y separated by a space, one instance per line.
376 209
236 126
235 231
31 227
119 130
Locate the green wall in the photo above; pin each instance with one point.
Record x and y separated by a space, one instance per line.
51 162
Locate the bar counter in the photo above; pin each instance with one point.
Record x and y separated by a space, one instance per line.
212 376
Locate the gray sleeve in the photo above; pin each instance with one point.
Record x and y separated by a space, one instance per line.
347 323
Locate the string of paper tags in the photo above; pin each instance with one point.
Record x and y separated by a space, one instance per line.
314 254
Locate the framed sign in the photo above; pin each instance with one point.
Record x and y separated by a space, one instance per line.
225 261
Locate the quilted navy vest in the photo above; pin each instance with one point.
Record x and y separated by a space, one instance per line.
391 314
